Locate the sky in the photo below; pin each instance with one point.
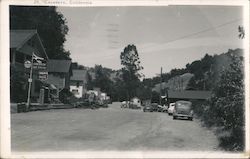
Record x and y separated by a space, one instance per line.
165 36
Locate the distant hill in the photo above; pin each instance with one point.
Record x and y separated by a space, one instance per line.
201 74
179 82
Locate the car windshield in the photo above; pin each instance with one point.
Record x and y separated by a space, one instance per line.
183 105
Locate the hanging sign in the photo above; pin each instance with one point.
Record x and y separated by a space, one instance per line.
41 65
43 76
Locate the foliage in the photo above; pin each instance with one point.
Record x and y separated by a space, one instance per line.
102 80
90 84
229 101
131 66
155 97
50 24
66 97
225 109
18 86
143 93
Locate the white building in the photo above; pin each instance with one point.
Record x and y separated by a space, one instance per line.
78 83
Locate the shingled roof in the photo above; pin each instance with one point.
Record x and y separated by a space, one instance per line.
59 66
18 39
189 94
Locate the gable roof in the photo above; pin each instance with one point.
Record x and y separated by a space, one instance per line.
79 75
188 94
19 37
59 66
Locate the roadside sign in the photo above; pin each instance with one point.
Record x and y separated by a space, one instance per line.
27 64
41 65
43 76
30 80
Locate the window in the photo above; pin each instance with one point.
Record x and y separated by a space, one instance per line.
75 91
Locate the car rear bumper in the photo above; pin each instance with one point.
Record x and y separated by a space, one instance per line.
183 115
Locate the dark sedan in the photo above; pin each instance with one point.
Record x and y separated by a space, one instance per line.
148 108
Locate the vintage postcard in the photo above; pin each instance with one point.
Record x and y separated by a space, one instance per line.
124 79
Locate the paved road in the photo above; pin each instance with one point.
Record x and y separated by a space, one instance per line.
110 128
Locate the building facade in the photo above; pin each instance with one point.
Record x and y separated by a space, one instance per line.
24 44
78 83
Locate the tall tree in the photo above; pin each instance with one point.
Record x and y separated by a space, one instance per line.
131 66
50 24
102 79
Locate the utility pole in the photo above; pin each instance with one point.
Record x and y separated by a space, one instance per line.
160 85
30 82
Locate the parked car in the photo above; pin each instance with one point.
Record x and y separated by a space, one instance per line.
183 109
134 106
165 108
160 108
154 107
171 108
148 108
125 104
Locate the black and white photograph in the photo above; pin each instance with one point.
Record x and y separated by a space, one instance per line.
124 78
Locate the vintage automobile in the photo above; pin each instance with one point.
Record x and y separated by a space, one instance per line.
148 108
183 109
125 104
171 108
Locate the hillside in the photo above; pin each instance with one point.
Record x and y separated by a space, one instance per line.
179 82
201 74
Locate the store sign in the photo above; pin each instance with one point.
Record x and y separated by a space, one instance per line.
27 64
41 65
43 76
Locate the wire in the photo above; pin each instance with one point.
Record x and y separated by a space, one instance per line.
205 30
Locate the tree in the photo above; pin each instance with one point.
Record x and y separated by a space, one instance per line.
50 25
130 72
229 103
102 80
18 86
89 81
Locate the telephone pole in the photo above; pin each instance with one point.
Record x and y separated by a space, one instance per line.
160 85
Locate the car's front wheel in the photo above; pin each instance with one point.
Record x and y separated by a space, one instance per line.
174 117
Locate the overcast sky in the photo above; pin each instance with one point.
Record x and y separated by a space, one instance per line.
168 37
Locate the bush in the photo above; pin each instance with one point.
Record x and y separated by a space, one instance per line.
18 86
226 108
67 97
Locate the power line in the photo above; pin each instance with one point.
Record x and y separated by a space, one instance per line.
205 30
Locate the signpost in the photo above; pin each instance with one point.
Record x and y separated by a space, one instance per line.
27 64
43 76
39 64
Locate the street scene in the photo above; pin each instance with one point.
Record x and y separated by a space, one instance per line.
114 128
165 78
